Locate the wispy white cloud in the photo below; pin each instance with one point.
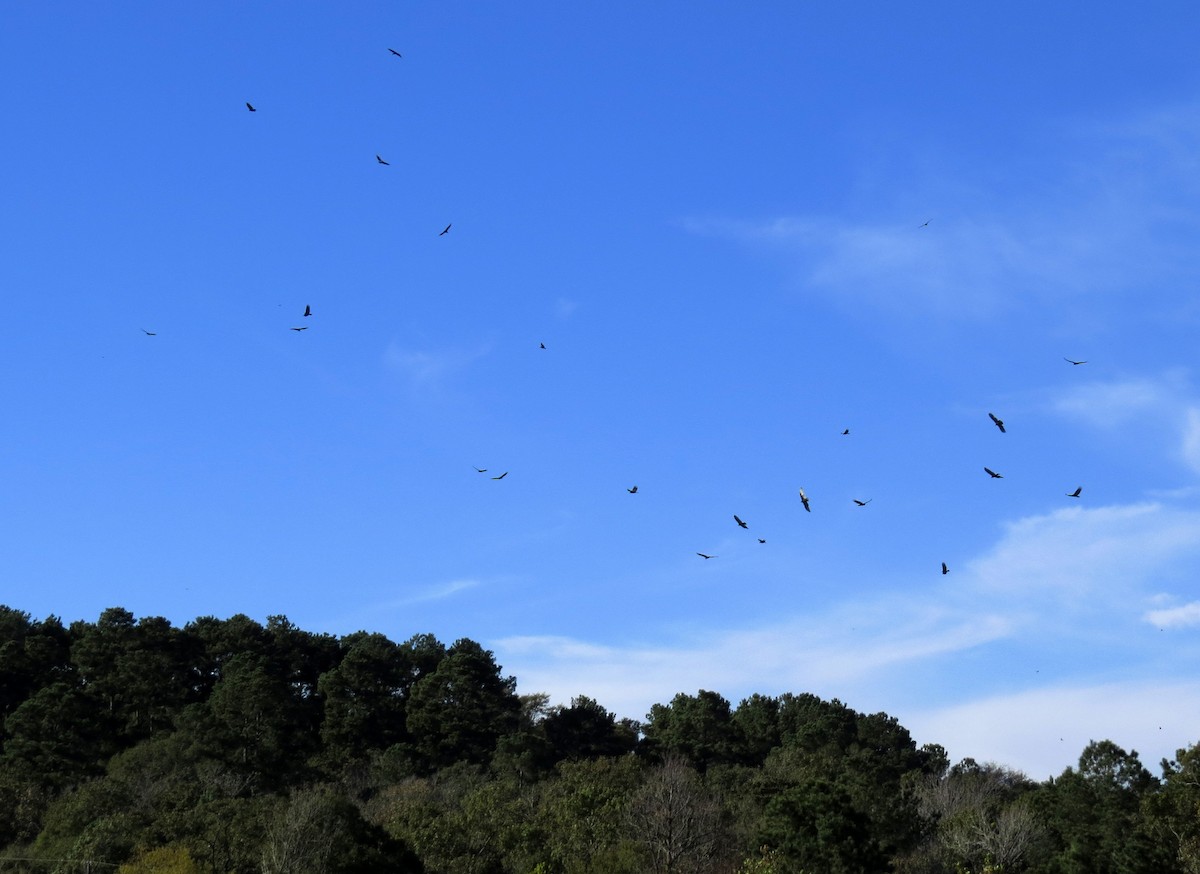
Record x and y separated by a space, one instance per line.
1083 556
1121 217
1191 438
1180 493
1112 403
962 268
374 612
1175 617
1164 405
424 368
438 592
1042 731
435 592
1077 571
1169 135
828 654
564 308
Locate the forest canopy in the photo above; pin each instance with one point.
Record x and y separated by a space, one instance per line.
227 745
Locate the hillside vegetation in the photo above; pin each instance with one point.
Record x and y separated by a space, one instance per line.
226 745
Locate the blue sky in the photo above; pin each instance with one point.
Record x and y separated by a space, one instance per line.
714 217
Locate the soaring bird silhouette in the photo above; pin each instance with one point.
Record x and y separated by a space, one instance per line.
862 503
1076 493
804 501
992 473
540 345
926 224
480 469
502 476
445 230
945 570
381 161
1074 362
251 108
847 431
305 328
396 53
741 524
999 422
760 540
632 491
149 333
702 555
307 310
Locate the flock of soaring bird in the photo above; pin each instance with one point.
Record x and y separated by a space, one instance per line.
997 421
308 309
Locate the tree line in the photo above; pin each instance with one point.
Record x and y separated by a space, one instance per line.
226 745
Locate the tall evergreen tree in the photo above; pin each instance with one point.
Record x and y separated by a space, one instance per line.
459 712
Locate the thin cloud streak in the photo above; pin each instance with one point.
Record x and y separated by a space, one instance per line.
437 593
433 593
379 614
